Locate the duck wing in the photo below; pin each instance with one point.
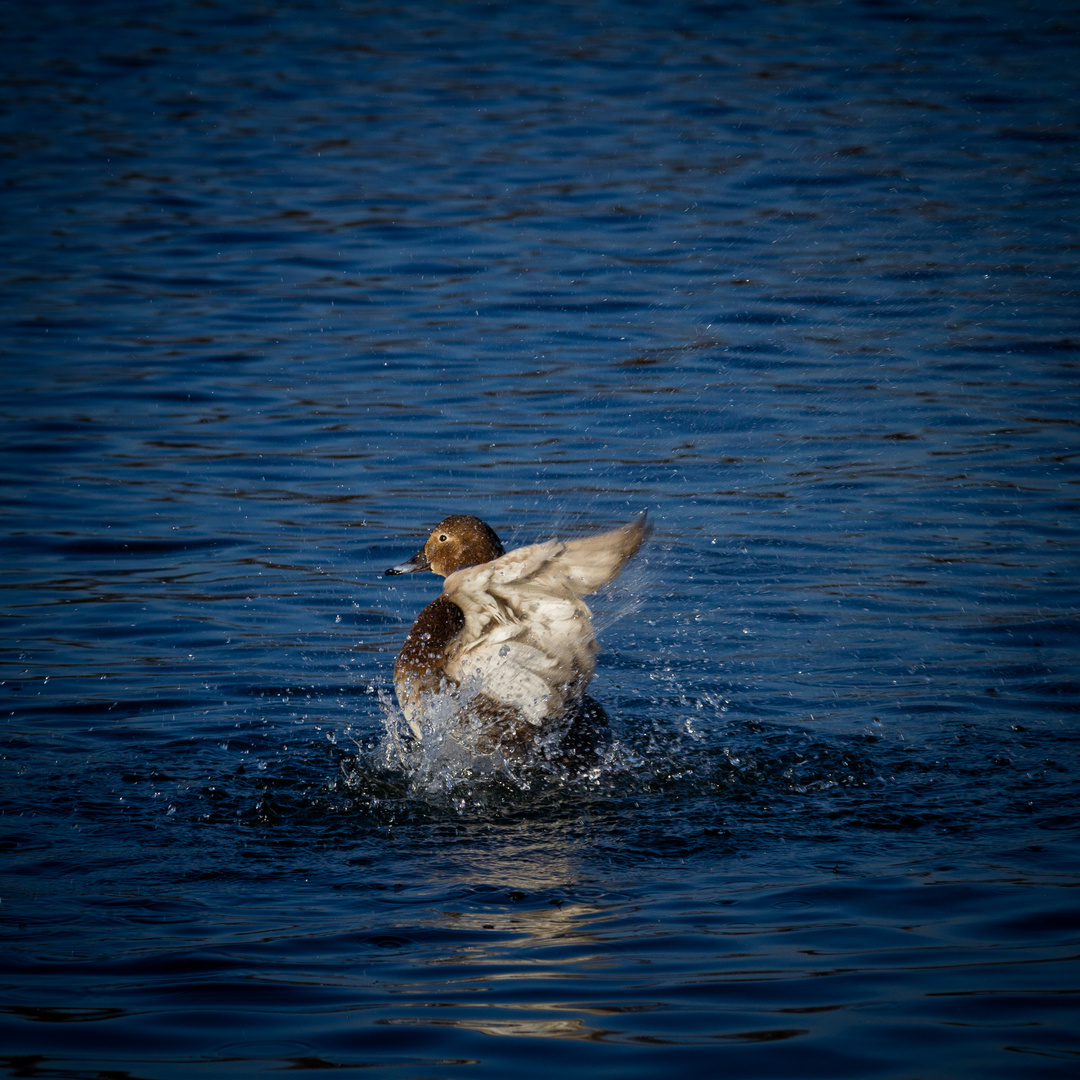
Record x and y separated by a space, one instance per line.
592 561
572 567
528 639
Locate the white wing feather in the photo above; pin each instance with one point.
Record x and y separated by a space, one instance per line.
528 637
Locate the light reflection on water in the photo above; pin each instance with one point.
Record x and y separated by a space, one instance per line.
282 291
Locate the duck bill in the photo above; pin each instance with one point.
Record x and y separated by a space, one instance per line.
416 563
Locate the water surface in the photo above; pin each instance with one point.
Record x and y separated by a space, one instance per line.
286 283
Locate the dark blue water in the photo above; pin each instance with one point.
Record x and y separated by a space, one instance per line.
284 283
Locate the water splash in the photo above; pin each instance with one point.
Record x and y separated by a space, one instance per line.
447 754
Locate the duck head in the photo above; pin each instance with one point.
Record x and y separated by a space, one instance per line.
457 541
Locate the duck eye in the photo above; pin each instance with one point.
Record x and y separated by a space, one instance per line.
443 537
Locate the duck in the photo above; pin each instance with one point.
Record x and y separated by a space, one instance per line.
510 635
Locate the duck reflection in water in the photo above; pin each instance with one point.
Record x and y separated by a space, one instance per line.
510 636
